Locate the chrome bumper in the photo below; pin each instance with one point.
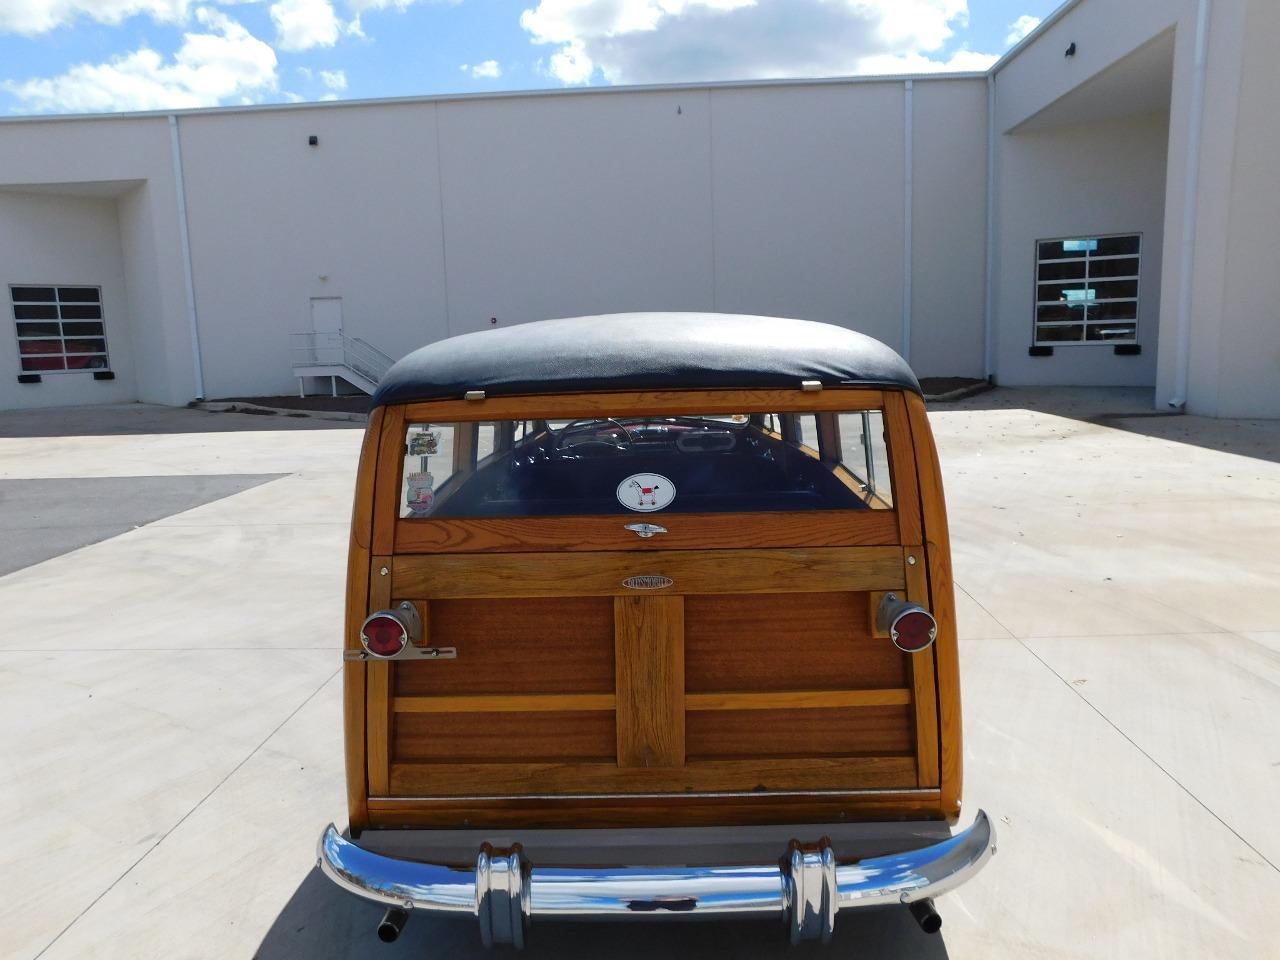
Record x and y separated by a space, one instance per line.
807 887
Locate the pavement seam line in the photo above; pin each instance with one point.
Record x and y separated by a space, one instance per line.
1109 722
1153 761
183 819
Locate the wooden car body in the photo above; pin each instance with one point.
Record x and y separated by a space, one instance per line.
592 654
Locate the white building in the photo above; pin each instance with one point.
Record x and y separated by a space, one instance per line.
1140 137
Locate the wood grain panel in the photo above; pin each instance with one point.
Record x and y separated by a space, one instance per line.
693 571
942 605
541 779
902 464
378 680
925 694
685 531
357 605
535 645
844 731
649 658
534 737
386 494
810 641
620 403
683 811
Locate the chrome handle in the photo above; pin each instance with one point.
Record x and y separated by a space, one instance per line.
645 530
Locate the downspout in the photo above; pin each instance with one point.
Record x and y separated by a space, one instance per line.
1182 355
184 237
988 295
906 220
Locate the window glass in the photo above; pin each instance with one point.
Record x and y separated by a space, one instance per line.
636 464
45 342
428 463
866 454
1083 285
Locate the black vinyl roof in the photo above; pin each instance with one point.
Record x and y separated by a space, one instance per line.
644 351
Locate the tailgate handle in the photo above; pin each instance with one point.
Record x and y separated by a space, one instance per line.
645 530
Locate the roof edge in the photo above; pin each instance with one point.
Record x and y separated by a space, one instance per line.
420 99
1056 15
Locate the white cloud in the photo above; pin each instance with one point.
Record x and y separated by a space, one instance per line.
647 41
225 63
491 69
1020 28
334 79
37 16
962 61
303 24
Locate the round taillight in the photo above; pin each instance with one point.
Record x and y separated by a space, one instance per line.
383 635
913 631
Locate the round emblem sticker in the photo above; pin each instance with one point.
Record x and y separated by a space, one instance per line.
646 492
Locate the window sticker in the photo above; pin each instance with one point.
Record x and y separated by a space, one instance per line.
423 444
420 485
646 492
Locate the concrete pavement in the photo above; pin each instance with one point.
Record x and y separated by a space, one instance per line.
171 706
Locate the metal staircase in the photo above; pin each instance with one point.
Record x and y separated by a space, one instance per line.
334 356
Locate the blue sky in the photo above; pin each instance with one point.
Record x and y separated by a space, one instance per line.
107 55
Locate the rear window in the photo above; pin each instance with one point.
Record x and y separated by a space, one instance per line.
742 463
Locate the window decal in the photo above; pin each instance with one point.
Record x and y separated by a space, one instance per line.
646 492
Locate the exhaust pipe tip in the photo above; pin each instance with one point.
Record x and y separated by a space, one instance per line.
926 915
392 924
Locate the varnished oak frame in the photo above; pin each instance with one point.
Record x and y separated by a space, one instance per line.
918 521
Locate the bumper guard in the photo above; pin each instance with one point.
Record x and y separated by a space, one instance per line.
807 887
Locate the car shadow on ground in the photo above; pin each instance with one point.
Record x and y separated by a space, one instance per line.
322 921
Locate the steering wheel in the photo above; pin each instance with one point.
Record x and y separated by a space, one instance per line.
595 440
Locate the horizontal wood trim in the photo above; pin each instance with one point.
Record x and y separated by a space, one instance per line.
655 403
682 811
552 702
797 699
506 703
524 779
685 531
601 574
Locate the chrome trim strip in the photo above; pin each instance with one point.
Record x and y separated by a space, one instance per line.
808 888
694 794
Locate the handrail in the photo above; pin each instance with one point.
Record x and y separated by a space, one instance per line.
338 350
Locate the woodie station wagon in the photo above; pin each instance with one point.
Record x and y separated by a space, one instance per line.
651 616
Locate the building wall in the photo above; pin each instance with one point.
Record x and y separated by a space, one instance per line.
1248 359
429 219
1078 180
128 157
274 222
949 227
61 240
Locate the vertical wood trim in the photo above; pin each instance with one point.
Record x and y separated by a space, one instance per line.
353 673
649 666
379 689
903 465
386 501
923 682
943 605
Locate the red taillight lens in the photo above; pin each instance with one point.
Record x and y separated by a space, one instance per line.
913 631
383 635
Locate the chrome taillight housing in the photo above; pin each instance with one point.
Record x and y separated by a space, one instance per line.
910 626
387 633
